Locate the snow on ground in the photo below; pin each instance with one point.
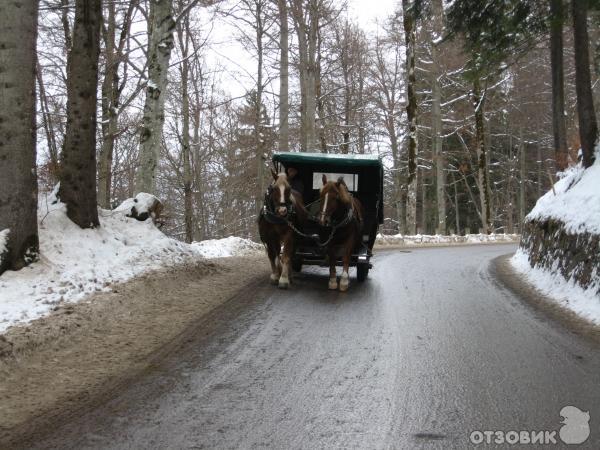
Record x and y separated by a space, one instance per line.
575 200
230 246
76 262
584 302
142 203
3 241
426 239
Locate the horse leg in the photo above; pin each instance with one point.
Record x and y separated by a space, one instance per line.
345 278
333 285
286 256
273 254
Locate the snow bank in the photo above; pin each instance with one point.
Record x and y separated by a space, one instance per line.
560 247
575 200
230 246
567 293
438 239
76 262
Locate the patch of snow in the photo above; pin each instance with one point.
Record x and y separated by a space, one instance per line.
575 200
75 262
229 246
3 240
569 294
142 202
438 239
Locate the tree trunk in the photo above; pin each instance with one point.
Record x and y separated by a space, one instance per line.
411 112
306 25
78 169
482 166
398 198
456 207
188 199
48 125
160 44
320 104
284 107
111 97
522 179
258 139
18 188
588 128
311 81
110 89
436 119
558 85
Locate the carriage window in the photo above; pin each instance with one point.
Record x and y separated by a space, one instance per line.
351 179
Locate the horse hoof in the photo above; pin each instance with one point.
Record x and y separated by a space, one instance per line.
343 286
333 284
284 284
274 279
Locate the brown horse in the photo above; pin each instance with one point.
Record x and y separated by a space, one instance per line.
343 213
283 207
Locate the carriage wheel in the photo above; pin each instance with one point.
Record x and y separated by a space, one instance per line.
362 272
296 264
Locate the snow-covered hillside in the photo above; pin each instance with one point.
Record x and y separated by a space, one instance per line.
76 262
575 200
560 249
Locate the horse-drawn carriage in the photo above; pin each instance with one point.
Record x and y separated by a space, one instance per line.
318 232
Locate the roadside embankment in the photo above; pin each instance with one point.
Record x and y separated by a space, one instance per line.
76 356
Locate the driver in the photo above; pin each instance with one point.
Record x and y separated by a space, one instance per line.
295 181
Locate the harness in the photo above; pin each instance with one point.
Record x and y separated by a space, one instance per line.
268 212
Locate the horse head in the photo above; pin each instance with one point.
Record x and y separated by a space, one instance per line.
280 194
335 199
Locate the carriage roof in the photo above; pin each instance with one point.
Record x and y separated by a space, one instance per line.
327 159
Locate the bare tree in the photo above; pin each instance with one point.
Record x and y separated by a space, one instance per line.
411 113
18 188
160 44
558 84
386 76
284 108
306 24
436 116
481 145
183 33
78 169
588 127
111 93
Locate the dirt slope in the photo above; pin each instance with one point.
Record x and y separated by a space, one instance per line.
74 358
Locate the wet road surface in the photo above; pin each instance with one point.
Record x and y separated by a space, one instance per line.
430 348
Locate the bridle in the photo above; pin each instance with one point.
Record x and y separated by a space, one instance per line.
270 207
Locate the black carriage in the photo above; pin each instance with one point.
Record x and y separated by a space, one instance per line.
363 175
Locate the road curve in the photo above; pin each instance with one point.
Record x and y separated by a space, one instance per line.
429 349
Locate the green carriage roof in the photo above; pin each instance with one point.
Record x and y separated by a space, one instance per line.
355 160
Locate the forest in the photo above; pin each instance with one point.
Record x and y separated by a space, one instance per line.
475 107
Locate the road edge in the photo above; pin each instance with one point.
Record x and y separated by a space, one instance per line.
526 292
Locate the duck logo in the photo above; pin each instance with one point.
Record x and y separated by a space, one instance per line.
576 428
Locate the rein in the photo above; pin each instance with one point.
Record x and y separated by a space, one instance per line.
273 218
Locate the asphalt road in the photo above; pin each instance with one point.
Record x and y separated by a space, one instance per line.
429 349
